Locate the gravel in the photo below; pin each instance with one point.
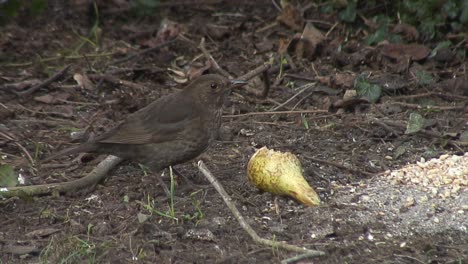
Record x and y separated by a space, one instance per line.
426 197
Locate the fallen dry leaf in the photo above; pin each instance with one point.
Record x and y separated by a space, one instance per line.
291 17
309 40
345 80
401 52
195 72
52 98
263 46
409 31
283 46
167 30
83 81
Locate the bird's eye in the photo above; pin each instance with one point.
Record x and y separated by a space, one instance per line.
214 85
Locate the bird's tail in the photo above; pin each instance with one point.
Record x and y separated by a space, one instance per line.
87 147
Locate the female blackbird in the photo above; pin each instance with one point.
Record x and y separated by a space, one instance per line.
171 130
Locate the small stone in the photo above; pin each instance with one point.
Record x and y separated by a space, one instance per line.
409 201
443 157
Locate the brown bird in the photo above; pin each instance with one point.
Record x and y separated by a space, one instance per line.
171 130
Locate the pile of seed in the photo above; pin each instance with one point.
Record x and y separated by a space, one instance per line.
448 172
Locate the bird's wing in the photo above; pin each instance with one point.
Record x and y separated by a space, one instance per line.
162 120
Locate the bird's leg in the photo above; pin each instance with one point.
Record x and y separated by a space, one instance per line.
163 185
193 185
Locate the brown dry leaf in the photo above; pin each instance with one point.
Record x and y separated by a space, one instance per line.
283 46
410 32
311 37
52 98
457 86
83 81
325 80
218 31
346 103
44 232
350 94
195 72
390 82
167 30
400 52
345 80
291 17
263 46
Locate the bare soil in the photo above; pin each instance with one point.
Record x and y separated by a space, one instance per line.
363 218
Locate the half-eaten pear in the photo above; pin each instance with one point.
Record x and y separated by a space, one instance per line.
280 173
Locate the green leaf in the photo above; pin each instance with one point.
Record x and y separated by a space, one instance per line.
304 121
8 177
424 78
464 137
349 13
38 6
378 36
451 9
464 14
371 92
441 45
400 150
415 123
11 8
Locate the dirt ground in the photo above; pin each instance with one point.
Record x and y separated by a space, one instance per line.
365 216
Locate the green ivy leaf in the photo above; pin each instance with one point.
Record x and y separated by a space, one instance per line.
400 150
424 78
8 177
378 36
415 123
371 92
349 13
441 45
464 137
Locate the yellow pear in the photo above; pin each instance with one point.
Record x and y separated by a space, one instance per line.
280 173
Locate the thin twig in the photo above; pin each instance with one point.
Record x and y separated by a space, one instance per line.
19 86
143 52
227 199
266 83
26 152
331 29
409 257
438 94
71 57
298 258
386 127
260 69
338 165
98 174
429 107
282 113
213 61
302 89
115 80
50 80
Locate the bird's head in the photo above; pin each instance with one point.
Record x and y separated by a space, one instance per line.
212 89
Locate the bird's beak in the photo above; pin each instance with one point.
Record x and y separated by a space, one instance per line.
237 83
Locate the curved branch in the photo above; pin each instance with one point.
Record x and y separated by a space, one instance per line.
98 174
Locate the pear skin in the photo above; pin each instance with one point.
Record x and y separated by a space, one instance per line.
280 173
